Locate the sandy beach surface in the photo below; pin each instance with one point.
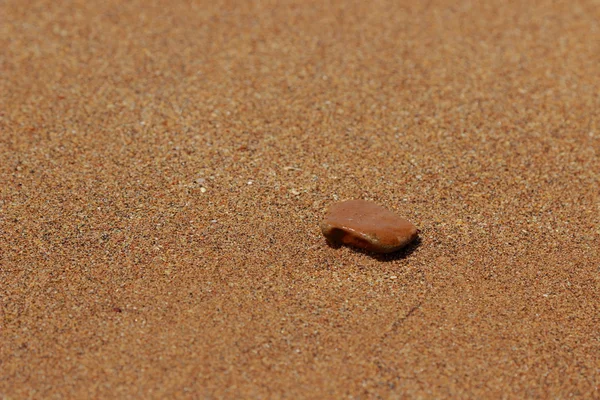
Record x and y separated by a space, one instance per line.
165 166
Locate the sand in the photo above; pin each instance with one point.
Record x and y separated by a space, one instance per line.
164 167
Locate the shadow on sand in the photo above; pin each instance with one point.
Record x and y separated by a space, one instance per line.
397 255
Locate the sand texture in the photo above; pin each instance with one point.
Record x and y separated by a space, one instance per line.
165 165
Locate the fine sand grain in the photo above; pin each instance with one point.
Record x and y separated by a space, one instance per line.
164 166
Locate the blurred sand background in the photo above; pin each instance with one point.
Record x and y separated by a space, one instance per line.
164 166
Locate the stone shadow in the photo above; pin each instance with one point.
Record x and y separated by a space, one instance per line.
397 255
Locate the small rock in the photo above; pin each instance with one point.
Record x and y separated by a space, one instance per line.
366 225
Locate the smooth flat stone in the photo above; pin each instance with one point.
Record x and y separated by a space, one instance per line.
368 226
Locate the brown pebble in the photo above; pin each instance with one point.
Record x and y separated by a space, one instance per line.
366 225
